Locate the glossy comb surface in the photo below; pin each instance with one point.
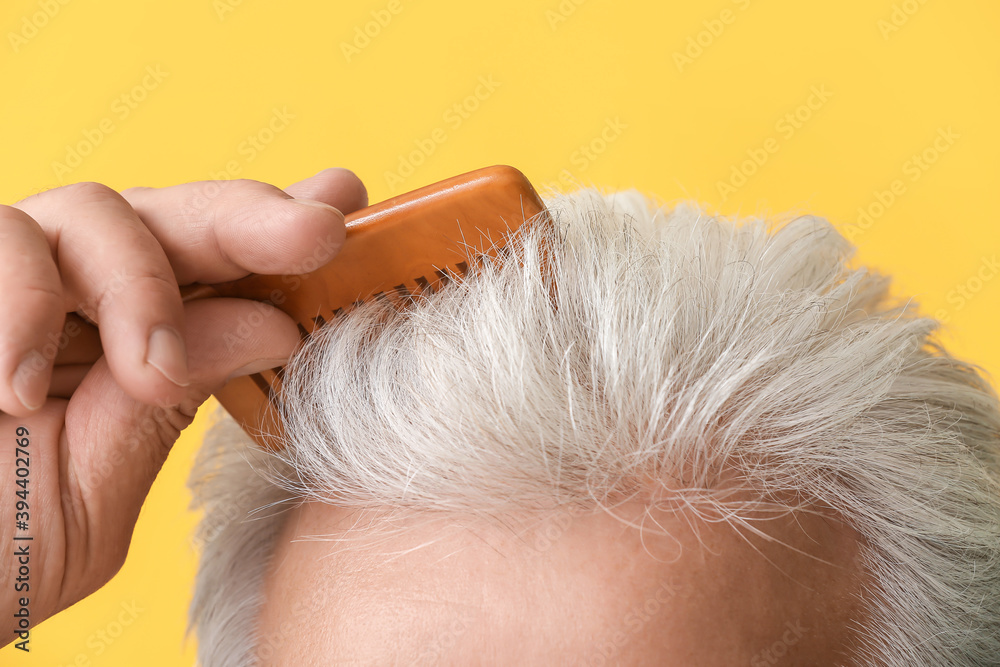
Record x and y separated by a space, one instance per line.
404 245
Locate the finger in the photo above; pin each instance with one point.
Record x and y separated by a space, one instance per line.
78 348
238 337
115 453
335 186
214 231
73 363
31 312
113 269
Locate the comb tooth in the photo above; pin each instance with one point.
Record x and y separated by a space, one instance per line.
400 294
262 384
389 296
279 376
270 377
397 296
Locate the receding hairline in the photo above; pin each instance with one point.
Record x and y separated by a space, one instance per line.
382 572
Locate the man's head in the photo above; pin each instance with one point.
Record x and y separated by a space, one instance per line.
637 437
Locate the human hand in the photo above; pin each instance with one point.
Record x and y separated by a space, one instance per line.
84 433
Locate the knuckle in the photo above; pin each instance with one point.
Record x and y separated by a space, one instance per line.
240 186
250 183
159 282
17 224
8 211
90 191
148 283
213 200
46 295
248 187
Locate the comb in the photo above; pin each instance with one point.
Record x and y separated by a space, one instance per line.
410 244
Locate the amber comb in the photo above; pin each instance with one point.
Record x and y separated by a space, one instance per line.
406 245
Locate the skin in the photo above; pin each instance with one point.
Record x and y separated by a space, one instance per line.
104 269
379 587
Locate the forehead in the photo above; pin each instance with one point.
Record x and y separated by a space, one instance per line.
382 587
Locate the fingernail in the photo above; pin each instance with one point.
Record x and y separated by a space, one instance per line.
28 381
257 367
317 204
167 354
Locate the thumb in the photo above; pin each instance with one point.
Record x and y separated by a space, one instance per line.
117 445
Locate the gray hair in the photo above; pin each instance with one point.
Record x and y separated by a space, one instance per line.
621 343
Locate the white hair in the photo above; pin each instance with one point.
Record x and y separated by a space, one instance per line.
624 342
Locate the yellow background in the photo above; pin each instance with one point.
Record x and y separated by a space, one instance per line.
668 97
